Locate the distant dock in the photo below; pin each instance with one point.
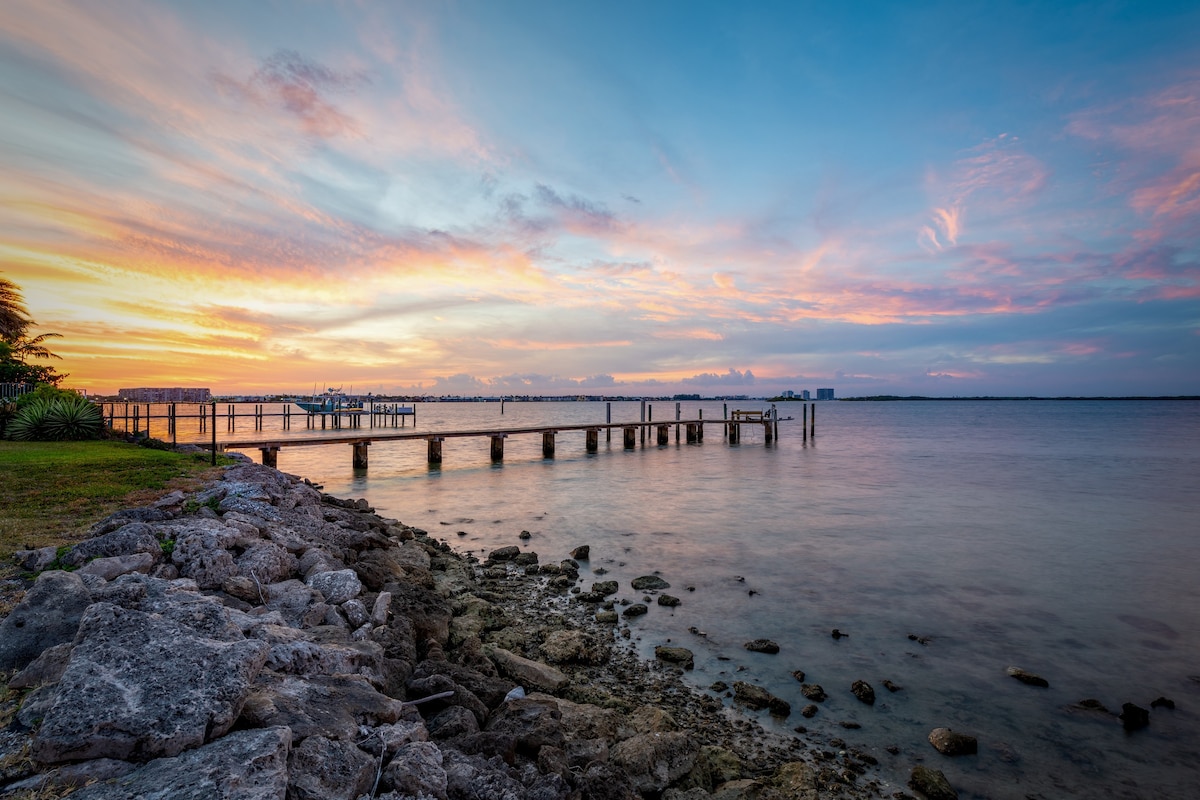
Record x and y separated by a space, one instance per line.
137 419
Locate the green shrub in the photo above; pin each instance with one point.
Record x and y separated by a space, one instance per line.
65 416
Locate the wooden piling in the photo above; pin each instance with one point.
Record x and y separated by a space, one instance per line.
269 456
360 455
812 421
498 446
435 449
548 444
664 434
630 438
593 439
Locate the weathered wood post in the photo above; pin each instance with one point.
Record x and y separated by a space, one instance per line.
643 419
700 429
136 410
630 438
725 416
735 431
592 442
548 444
804 421
664 434
214 433
498 445
173 423
608 421
677 423
359 459
435 449
693 433
269 456
812 422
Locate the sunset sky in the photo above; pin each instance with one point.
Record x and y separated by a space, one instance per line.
939 198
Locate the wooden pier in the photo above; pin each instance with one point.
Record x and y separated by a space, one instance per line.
693 430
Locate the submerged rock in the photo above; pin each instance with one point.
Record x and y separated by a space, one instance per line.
1134 717
1027 677
864 692
950 743
762 646
931 783
649 582
675 655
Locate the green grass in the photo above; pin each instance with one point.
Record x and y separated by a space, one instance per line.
52 492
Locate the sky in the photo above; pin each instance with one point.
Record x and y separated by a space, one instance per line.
613 198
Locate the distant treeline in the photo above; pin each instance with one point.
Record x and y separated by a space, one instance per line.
885 397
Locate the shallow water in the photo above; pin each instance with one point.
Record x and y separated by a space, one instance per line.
1059 536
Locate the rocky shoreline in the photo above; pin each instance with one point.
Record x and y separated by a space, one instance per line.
259 639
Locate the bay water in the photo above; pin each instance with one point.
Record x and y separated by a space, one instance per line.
1062 537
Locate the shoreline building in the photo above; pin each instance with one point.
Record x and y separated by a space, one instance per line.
824 394
176 394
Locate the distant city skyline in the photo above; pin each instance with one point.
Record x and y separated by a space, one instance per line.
617 198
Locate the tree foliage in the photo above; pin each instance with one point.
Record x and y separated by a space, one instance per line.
18 347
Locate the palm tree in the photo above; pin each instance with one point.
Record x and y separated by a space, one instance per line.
14 317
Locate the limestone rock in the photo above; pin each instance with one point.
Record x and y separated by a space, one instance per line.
48 615
762 646
605 588
757 697
814 692
113 567
266 562
526 725
931 783
334 706
950 743
668 600
136 537
574 646
417 771
247 765
653 761
337 586
582 552
864 692
635 610
794 780
142 686
44 670
527 673
649 582
675 655
201 551
326 769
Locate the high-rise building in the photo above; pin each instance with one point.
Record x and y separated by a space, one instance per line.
175 394
824 394
805 395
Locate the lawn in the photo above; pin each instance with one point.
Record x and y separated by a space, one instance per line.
52 492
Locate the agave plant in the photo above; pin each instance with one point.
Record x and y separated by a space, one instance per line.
26 426
63 418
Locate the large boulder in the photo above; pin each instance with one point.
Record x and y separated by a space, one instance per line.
48 615
417 771
529 674
333 706
247 765
142 686
136 537
653 761
327 769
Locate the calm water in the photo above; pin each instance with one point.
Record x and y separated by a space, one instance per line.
1056 536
